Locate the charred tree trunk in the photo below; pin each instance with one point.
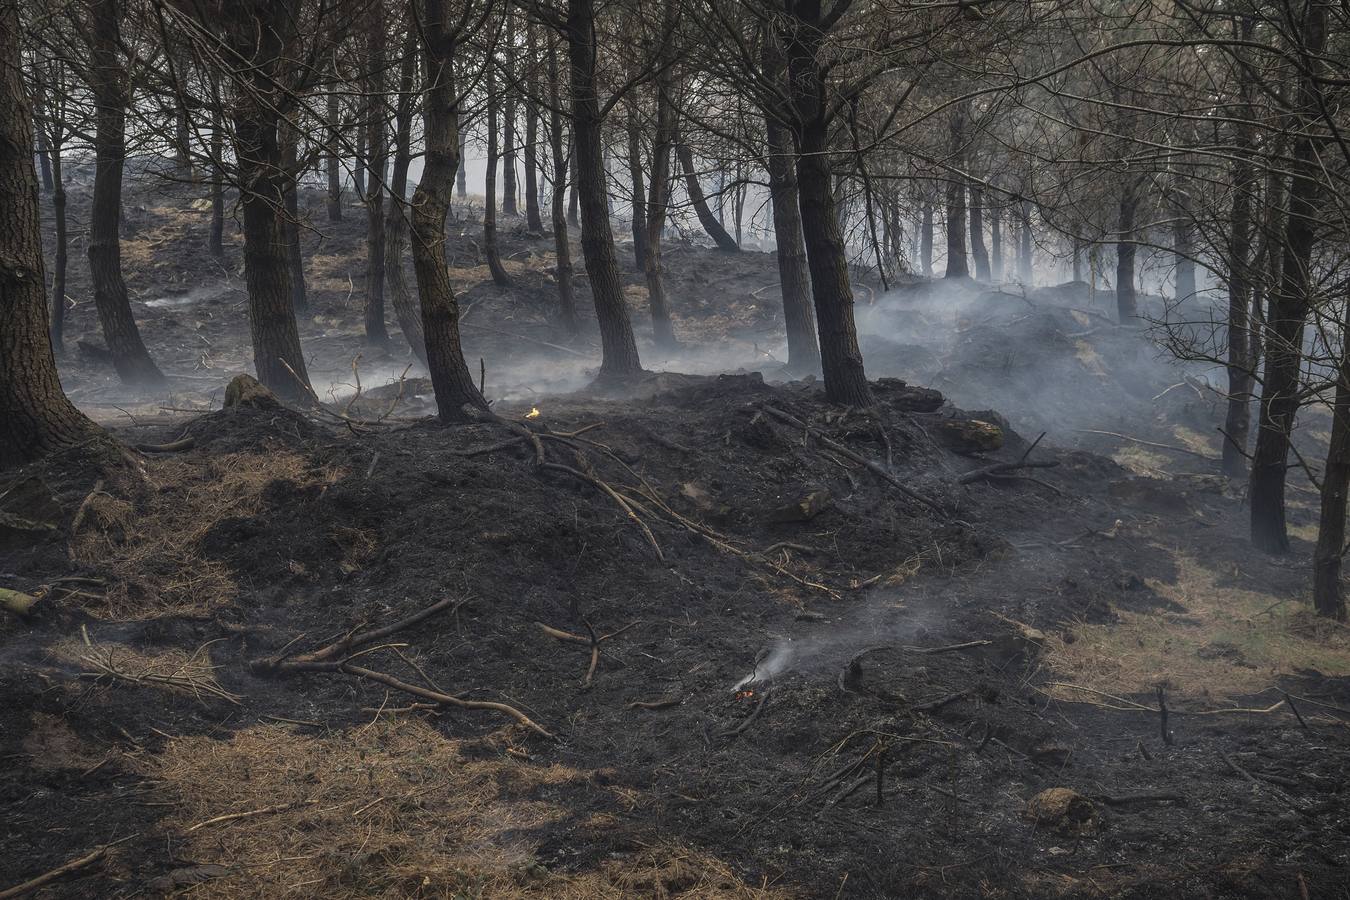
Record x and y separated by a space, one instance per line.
620 356
977 245
494 260
567 305
1240 364
510 206
215 241
109 86
377 144
396 225
456 394
926 239
841 359
654 210
532 220
461 174
793 276
44 149
996 243
1024 236
1328 598
333 163
1288 311
958 266
38 417
724 241
635 182
290 223
359 164
573 205
259 34
1127 306
61 258
1184 248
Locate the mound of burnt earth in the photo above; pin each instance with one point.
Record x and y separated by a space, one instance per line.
721 640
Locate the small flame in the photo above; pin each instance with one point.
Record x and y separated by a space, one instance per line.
744 695
533 413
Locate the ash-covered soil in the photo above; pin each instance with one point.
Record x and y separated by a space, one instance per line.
780 649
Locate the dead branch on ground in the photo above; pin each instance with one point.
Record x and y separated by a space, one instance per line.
46 878
873 467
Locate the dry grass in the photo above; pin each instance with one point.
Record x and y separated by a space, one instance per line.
395 809
150 549
1229 641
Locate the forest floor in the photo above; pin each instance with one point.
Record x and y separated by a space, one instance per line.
755 659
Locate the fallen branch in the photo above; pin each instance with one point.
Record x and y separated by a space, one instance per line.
48 877
322 659
1135 440
613 495
871 466
656 704
444 699
186 443
230 817
750 719
1004 468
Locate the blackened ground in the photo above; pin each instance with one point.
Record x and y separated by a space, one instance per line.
759 674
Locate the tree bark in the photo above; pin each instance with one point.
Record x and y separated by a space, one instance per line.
396 225
215 240
639 204
456 394
794 279
573 205
60 260
1184 245
996 243
654 211
290 222
1328 598
1288 311
1127 306
333 163
510 206
841 359
958 266
377 148
977 245
110 89
926 239
532 219
494 260
711 225
260 34
38 417
1240 365
461 174
620 355
1024 236
567 306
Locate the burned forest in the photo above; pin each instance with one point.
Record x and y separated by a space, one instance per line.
674 448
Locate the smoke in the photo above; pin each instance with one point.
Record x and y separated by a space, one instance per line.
880 621
1049 359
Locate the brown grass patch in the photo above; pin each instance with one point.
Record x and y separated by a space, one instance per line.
150 548
1229 641
395 809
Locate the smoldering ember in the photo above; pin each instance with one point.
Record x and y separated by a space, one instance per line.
674 448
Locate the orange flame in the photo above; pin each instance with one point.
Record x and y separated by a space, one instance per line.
533 413
744 695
